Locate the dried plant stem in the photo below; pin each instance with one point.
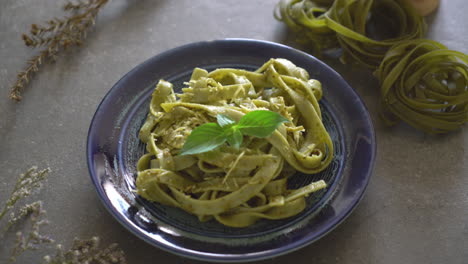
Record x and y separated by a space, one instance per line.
25 185
87 251
33 238
58 35
34 217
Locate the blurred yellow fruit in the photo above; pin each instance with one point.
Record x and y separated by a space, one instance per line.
424 7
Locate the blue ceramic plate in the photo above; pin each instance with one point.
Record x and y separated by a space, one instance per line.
113 149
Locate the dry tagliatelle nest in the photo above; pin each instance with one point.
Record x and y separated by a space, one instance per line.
422 82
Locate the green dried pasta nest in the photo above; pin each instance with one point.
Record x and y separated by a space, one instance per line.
423 83
352 26
426 85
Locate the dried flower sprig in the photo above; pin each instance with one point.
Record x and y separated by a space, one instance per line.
58 34
30 238
87 251
24 187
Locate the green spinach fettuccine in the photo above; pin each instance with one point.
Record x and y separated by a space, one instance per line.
352 25
426 85
235 185
422 82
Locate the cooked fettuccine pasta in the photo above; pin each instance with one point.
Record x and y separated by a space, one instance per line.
235 186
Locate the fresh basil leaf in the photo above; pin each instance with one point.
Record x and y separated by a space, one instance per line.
235 137
203 138
224 120
260 123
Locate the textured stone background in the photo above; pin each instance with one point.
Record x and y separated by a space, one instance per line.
416 206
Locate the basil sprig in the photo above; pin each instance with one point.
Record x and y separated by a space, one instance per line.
258 123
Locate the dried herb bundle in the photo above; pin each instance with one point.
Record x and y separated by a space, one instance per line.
26 184
57 34
87 251
30 237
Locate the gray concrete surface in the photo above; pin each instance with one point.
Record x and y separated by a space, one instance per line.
416 206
